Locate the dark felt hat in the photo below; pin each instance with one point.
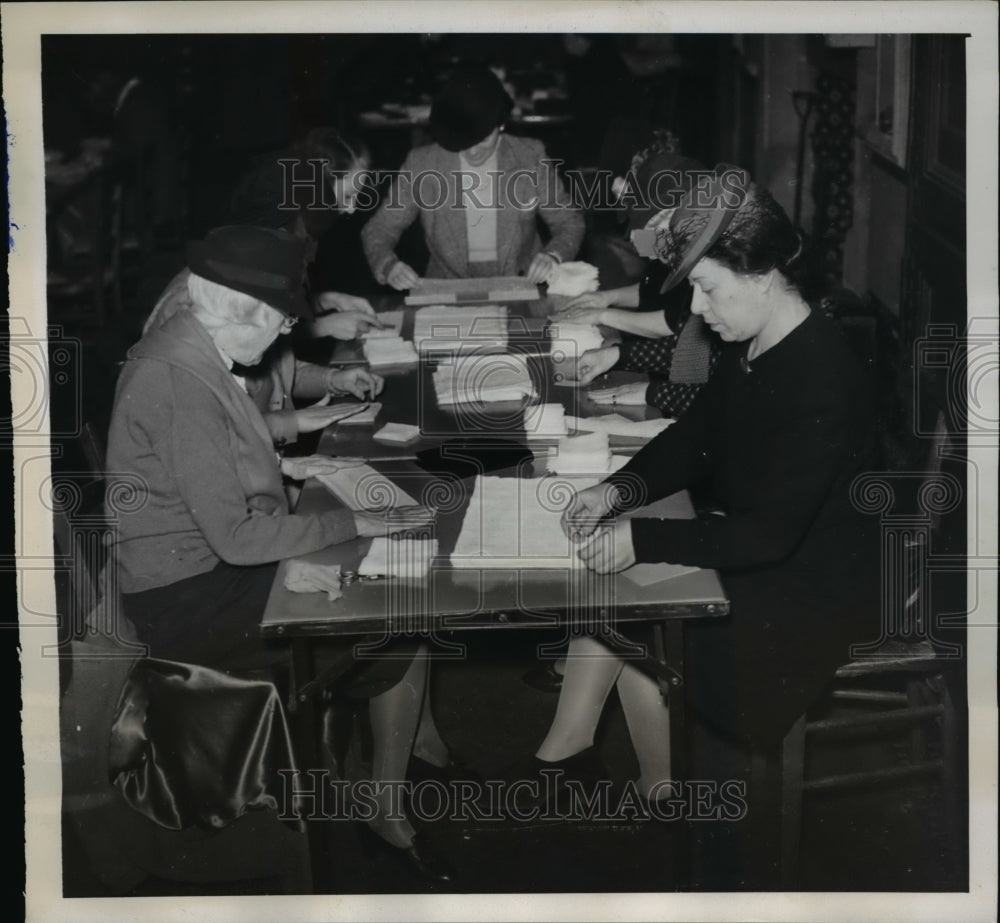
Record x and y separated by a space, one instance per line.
265 263
468 107
702 218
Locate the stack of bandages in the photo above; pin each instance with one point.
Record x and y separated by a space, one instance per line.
572 279
406 558
483 379
389 351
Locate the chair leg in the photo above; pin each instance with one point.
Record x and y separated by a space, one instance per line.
952 767
793 751
918 740
760 842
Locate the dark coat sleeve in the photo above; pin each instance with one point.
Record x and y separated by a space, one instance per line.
767 522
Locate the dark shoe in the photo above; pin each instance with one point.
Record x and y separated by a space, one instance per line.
420 857
549 778
543 677
454 770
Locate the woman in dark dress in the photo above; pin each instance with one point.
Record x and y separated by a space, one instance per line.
781 431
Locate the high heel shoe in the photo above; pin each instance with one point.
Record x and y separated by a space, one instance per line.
421 858
585 767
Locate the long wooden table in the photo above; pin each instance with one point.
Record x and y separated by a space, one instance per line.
561 602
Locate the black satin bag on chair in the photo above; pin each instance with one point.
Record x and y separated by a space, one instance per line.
191 745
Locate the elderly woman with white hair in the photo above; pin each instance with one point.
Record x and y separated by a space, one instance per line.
197 559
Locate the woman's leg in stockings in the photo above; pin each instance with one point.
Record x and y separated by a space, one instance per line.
429 745
394 718
591 671
648 726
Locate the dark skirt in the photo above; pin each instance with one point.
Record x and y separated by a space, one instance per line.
752 673
213 619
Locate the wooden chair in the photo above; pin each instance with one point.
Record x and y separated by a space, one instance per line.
902 680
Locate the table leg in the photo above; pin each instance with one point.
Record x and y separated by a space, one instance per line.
305 724
668 642
668 648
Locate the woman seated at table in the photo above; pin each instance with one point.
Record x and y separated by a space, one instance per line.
197 559
781 430
279 376
477 192
328 168
662 337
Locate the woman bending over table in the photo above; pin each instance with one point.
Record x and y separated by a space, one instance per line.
661 335
197 559
477 192
781 431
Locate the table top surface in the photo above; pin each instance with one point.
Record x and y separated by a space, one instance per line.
456 598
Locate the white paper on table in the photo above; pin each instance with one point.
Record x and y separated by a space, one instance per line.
397 434
361 487
614 424
515 523
365 416
392 325
405 558
573 278
482 379
389 351
450 329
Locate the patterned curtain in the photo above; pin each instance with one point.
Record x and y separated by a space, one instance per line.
833 147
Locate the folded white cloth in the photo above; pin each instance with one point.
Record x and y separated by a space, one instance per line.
544 421
483 379
307 577
397 434
573 340
572 279
615 424
407 558
389 351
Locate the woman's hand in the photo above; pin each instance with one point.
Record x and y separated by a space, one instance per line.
321 414
310 466
609 550
586 308
595 362
541 268
339 301
583 315
400 519
357 381
633 395
402 277
587 509
344 325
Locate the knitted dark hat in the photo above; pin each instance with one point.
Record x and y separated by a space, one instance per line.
468 107
265 263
